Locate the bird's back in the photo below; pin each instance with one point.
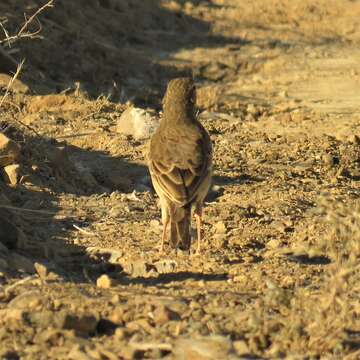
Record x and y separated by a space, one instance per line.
178 158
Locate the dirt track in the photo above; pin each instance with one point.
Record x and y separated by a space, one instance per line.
279 93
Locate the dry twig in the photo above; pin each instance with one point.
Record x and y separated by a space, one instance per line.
11 82
8 88
23 33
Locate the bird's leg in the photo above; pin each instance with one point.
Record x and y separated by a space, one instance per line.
165 225
198 216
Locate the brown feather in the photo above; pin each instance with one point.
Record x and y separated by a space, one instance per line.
180 159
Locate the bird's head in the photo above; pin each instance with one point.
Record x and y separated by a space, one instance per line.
180 97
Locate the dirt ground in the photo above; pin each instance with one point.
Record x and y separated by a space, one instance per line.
278 89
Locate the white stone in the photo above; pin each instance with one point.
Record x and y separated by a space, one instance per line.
138 123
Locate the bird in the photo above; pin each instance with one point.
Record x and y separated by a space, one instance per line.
180 164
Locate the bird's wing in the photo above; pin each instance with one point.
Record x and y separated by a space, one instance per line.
179 164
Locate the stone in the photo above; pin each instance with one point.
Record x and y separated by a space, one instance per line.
84 324
41 269
120 333
138 123
163 314
105 282
251 109
205 348
44 272
12 314
117 315
42 319
51 102
328 160
9 151
241 348
11 174
220 227
17 87
273 244
28 300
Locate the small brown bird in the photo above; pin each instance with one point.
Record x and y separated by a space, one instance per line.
180 163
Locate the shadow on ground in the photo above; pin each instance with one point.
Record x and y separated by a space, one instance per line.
118 48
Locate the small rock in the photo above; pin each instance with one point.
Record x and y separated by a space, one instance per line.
41 269
354 139
139 324
44 272
251 109
241 348
117 315
163 314
220 227
11 174
77 354
85 324
328 160
42 319
120 333
154 223
12 314
273 244
138 123
283 94
206 348
17 87
279 226
240 279
9 151
51 102
105 282
29 300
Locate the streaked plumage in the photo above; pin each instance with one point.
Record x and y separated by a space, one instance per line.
180 163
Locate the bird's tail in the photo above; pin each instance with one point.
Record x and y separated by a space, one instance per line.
180 228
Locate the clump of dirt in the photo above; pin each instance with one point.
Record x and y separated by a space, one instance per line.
80 271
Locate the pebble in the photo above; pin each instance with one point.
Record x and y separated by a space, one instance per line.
241 348
138 123
163 314
11 174
9 151
85 324
28 300
220 227
105 282
206 348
